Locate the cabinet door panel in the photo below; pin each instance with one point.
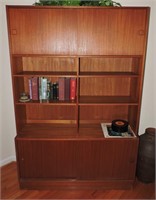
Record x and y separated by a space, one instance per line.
112 31
46 159
107 159
83 160
78 31
43 31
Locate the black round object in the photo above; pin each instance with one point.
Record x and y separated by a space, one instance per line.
146 157
120 125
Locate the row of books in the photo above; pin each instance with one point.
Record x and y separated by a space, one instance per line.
41 88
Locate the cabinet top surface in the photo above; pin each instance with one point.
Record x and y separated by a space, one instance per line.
76 7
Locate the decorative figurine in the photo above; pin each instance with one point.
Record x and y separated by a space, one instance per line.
24 97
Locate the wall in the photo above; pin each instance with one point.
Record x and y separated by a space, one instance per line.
148 109
7 120
7 126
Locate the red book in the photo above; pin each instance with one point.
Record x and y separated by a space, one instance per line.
35 92
72 88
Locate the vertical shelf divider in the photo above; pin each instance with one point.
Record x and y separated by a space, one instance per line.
77 63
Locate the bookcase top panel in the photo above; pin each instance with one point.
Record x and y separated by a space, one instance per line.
77 30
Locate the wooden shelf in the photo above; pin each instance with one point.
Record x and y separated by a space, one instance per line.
73 74
47 102
45 74
50 131
84 100
108 74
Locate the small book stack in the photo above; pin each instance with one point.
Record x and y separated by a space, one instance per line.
41 88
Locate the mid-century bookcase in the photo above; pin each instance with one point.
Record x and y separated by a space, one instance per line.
60 144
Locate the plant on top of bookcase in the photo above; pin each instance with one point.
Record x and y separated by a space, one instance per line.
76 3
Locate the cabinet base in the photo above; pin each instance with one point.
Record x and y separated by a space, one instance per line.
75 184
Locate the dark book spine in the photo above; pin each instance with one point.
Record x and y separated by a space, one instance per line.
61 86
54 91
67 89
48 89
57 90
51 91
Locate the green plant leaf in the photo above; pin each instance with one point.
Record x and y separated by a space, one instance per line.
71 2
76 3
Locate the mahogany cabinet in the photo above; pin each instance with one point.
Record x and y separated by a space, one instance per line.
60 144
47 159
77 160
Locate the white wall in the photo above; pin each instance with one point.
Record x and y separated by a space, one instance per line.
148 109
7 120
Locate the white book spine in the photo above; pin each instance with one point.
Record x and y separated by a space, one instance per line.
44 88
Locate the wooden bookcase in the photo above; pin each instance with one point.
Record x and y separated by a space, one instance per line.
60 144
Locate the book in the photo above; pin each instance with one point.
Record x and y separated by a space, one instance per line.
51 91
35 88
72 89
40 88
30 87
67 89
48 89
55 91
40 92
43 86
61 85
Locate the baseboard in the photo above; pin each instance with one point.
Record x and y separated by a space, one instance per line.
7 160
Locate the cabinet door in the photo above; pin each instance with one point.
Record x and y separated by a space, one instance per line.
43 31
112 31
46 159
81 160
107 159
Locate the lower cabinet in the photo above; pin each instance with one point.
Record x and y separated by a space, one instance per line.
106 159
74 160
46 159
